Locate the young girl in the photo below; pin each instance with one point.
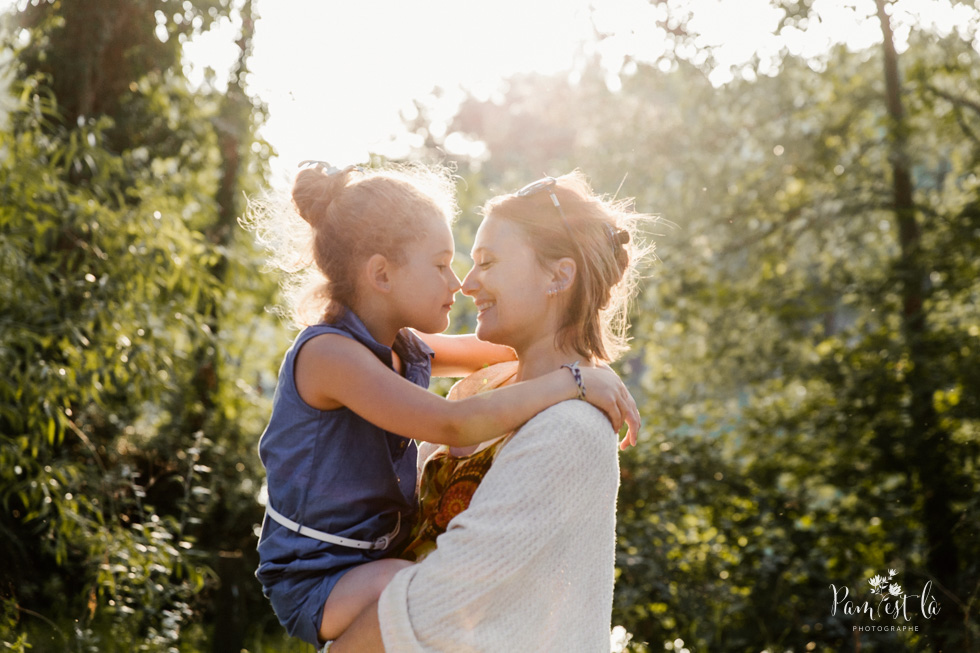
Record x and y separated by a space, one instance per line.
340 464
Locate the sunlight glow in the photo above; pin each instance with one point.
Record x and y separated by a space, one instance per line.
340 78
337 76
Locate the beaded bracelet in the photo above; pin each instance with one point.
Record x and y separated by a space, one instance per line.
577 375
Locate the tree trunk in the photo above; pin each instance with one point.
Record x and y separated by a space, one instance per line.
233 126
927 441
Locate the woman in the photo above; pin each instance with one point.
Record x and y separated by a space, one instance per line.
529 565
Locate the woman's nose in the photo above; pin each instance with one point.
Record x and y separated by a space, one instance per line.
469 282
454 284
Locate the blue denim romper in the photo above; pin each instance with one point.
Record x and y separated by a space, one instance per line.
335 472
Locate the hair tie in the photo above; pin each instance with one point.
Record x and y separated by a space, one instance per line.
617 237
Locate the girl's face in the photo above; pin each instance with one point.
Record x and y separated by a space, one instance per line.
509 286
423 288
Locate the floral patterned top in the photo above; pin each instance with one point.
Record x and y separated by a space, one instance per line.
447 482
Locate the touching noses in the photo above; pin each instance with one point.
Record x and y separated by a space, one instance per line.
454 282
470 285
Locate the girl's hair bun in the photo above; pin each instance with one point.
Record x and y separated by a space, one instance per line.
315 188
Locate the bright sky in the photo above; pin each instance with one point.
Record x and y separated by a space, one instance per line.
338 74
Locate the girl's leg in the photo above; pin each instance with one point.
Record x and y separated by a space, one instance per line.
357 589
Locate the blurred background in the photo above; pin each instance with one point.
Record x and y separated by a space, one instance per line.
805 352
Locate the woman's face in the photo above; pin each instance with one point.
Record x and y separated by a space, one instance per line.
509 286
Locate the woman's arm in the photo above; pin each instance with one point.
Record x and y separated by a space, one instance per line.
459 355
334 371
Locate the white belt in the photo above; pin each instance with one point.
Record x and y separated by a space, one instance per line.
378 545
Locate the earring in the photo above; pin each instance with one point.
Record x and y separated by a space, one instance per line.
552 292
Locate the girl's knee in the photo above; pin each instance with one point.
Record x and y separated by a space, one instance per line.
356 590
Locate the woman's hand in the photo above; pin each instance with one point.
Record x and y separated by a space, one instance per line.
605 391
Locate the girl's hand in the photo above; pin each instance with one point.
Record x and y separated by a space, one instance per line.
605 391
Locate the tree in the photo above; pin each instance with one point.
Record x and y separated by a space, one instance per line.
801 433
123 292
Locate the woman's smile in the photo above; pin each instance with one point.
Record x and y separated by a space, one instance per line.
484 306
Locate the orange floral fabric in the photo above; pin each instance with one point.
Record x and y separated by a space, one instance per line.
447 482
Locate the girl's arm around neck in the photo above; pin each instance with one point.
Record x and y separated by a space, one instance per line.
333 371
460 355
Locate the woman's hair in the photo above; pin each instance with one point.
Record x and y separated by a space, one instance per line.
601 236
337 219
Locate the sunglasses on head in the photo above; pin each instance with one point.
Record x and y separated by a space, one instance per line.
617 237
547 185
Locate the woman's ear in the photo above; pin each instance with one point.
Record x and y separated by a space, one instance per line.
563 273
377 271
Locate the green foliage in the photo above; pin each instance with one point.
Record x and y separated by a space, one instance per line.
135 366
87 348
772 352
776 356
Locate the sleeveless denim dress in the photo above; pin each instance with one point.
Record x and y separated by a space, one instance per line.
334 472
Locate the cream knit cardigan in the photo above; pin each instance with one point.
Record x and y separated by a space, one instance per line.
528 567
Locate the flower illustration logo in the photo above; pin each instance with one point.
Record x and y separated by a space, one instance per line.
881 585
890 600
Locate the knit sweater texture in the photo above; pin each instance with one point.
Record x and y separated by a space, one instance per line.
529 565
